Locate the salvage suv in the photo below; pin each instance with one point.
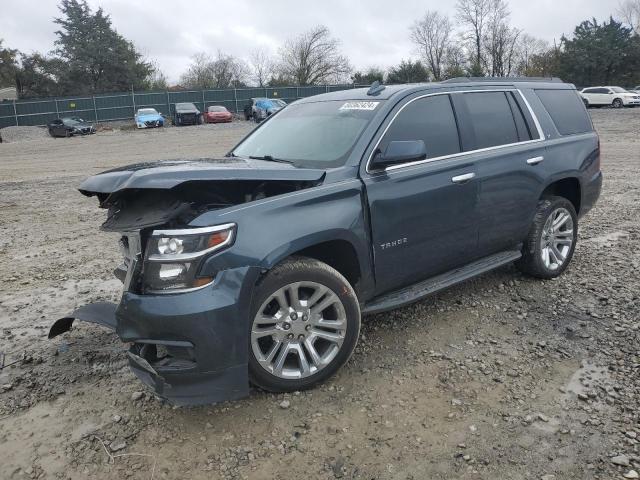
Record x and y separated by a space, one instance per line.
256 268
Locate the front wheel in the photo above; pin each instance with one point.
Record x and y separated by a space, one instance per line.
304 325
551 242
617 103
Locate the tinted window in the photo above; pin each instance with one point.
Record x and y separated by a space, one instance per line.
430 119
590 90
602 90
491 119
566 110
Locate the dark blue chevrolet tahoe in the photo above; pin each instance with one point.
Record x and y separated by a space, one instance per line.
256 268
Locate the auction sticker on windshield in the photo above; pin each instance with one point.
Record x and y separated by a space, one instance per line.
359 106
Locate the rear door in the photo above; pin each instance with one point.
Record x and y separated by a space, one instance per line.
422 213
508 155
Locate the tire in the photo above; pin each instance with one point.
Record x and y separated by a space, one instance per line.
304 330
586 102
51 133
617 103
533 262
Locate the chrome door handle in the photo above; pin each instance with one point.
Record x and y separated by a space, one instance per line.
535 160
463 178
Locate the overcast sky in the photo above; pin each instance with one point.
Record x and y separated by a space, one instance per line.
373 32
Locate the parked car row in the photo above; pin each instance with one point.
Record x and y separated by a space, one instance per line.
616 97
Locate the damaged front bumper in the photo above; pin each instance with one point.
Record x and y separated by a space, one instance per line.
190 348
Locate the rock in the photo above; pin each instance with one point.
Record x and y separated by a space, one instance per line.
284 404
621 460
117 445
543 417
548 477
117 418
631 474
7 387
135 396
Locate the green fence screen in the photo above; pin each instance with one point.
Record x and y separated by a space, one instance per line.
122 106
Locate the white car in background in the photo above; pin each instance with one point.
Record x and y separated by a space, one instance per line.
617 97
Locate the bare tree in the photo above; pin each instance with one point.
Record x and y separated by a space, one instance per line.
474 15
224 71
313 57
456 61
500 41
629 10
432 35
528 49
262 66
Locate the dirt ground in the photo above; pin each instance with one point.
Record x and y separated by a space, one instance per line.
503 377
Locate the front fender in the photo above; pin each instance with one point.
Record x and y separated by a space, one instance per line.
269 231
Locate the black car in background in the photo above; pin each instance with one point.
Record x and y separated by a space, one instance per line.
186 114
70 126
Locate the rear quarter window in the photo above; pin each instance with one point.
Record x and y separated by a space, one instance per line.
566 110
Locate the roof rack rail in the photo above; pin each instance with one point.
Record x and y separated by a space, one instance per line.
503 79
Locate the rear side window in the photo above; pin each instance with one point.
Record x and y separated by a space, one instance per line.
430 119
491 118
566 110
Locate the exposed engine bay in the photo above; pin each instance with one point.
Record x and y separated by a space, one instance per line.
143 208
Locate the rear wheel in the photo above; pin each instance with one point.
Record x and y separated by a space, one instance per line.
617 103
304 326
586 102
551 242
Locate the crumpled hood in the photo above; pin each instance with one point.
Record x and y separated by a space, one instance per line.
171 173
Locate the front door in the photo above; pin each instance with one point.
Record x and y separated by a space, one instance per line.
423 213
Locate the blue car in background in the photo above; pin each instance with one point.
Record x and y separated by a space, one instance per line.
261 108
148 118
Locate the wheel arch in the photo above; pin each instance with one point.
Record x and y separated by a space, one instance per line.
335 249
567 187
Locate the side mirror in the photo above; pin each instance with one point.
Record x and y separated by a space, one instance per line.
398 152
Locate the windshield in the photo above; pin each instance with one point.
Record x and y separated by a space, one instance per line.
217 109
147 111
619 90
318 134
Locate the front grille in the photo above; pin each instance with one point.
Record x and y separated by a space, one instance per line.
188 117
152 123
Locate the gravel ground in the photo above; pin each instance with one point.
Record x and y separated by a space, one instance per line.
501 377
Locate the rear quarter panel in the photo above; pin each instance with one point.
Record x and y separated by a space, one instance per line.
568 156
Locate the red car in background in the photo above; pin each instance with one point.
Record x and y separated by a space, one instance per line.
217 114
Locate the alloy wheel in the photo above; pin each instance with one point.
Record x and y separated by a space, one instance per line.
298 330
557 238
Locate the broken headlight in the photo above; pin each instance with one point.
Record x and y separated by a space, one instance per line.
173 257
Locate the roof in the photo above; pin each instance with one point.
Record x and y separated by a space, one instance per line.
463 82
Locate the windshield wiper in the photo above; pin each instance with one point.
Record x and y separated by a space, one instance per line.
270 158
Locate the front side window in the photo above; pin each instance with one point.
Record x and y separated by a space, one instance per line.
315 135
491 118
430 119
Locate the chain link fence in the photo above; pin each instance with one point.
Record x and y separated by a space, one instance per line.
122 106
